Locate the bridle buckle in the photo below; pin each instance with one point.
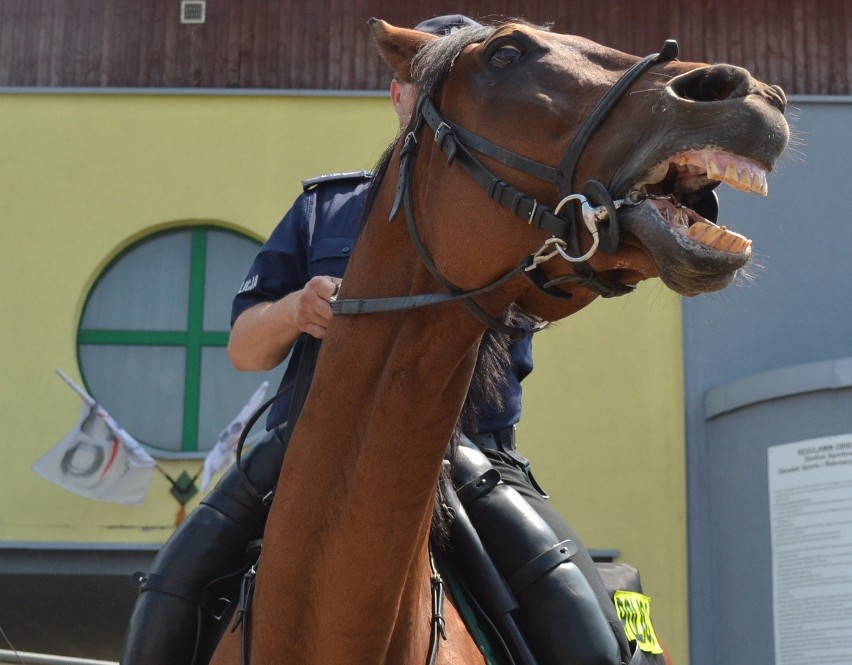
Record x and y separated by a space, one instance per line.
553 246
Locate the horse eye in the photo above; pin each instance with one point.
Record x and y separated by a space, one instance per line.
505 56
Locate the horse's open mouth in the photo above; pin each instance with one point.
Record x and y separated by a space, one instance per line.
692 254
677 186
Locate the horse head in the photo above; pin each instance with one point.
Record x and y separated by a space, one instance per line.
546 114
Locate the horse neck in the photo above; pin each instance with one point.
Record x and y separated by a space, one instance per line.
345 545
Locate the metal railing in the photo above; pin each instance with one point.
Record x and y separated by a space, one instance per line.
27 658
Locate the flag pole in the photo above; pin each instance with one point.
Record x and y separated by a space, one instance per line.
87 398
177 489
120 470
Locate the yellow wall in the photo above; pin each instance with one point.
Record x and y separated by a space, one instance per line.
603 426
84 175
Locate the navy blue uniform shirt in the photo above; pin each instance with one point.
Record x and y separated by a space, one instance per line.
315 238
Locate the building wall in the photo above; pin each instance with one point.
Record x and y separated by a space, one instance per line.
802 45
85 174
603 425
766 363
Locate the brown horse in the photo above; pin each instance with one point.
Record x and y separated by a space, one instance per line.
345 572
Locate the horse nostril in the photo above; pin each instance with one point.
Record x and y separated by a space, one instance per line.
775 94
712 84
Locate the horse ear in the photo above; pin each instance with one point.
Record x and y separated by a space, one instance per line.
398 46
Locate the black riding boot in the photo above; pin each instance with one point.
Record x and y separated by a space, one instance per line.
183 606
540 570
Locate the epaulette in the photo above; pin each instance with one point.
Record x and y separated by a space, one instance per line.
334 177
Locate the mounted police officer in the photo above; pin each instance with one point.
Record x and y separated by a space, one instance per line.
187 597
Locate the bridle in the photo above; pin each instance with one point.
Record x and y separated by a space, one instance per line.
595 204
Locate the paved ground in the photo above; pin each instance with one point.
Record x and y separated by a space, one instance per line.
83 616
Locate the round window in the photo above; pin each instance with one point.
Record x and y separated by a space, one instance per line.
153 335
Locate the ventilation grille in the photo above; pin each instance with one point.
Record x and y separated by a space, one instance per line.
192 11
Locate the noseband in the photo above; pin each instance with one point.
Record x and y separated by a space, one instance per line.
595 204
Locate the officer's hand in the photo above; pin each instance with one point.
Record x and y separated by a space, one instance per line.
312 312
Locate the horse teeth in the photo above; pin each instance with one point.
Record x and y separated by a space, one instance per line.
713 170
732 175
725 242
718 237
711 235
696 231
738 173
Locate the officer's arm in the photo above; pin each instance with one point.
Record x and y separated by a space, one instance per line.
262 335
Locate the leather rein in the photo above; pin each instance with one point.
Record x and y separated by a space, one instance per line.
596 208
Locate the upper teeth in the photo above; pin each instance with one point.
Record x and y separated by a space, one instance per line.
737 172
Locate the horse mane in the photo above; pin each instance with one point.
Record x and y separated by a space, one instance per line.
435 60
493 363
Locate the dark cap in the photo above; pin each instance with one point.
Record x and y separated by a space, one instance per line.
445 25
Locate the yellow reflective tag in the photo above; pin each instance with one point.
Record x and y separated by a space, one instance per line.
634 610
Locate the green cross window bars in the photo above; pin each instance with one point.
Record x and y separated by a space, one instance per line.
153 333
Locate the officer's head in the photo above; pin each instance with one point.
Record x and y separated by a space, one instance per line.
403 95
446 25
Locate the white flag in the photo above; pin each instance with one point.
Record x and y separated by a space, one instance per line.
222 455
99 460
